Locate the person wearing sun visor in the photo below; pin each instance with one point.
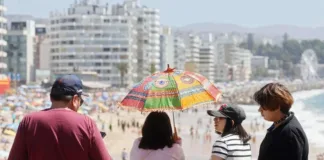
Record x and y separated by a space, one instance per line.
233 142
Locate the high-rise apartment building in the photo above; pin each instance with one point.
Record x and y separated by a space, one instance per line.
179 53
89 38
148 34
166 48
20 48
3 43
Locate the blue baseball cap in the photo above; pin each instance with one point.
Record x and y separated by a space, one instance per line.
68 85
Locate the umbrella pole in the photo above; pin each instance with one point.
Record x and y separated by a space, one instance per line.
175 128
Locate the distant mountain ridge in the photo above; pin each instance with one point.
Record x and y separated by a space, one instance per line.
270 30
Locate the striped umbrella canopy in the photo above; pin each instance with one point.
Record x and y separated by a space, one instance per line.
171 90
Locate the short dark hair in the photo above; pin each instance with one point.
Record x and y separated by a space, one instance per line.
236 129
64 98
157 132
274 95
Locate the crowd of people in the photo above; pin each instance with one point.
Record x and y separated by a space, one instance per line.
59 132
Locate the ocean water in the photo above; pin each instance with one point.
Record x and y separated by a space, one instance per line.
315 103
310 112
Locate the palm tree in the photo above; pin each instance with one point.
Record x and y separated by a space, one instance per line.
123 68
152 69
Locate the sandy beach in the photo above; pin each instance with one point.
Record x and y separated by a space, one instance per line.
195 147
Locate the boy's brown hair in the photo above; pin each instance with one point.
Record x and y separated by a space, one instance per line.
274 95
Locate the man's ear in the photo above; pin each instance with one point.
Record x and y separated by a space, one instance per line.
232 122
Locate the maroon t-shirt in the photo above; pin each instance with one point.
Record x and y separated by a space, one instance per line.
58 134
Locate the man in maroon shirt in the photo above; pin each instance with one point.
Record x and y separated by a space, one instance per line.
60 133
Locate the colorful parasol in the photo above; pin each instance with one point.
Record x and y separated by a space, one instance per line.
171 90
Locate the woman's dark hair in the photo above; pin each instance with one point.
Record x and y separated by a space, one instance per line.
236 129
156 132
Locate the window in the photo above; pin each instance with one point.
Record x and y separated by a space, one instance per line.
115 49
124 49
140 20
106 49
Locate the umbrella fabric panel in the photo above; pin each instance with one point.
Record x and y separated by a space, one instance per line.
135 99
137 96
196 99
167 103
211 89
191 91
204 82
163 94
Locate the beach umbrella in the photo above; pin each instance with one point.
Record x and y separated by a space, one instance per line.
105 96
171 90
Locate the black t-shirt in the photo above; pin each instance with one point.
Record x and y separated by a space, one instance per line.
286 142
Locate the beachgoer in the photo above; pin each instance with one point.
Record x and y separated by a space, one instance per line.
192 132
197 133
233 143
60 132
286 138
124 154
103 125
157 141
110 127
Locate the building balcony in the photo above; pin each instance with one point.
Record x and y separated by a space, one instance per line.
3 31
3 65
3 42
3 54
3 20
3 8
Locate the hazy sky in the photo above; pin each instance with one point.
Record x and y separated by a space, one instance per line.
181 12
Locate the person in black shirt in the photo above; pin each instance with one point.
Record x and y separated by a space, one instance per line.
285 139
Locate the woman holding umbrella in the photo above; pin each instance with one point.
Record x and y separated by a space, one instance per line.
233 143
157 141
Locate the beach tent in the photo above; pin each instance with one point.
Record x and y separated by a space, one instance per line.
4 84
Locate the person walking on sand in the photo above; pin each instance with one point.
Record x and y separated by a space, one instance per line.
124 154
60 133
233 144
157 141
285 139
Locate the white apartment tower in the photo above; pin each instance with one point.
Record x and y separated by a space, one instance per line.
241 62
20 48
89 38
179 53
221 68
206 58
166 48
148 34
3 43
193 44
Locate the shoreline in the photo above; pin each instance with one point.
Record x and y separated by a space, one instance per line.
244 94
